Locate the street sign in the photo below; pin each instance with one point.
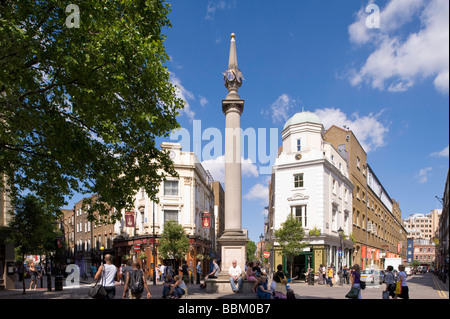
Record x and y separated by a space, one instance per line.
137 248
266 254
340 253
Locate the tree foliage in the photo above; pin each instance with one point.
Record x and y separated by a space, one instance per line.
174 243
251 250
32 228
81 107
290 236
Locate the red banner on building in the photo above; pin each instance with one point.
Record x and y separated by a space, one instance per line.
129 219
363 251
206 220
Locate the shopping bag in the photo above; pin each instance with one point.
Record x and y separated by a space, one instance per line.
97 292
352 294
398 288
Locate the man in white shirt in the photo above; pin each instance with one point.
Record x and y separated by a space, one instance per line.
235 273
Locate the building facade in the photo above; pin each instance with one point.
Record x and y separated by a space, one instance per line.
442 251
378 230
424 251
187 199
6 249
310 180
423 226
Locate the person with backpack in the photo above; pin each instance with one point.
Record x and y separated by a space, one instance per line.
135 282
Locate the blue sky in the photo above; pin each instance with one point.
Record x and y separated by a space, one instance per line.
388 84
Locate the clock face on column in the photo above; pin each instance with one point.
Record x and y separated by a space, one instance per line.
229 75
298 156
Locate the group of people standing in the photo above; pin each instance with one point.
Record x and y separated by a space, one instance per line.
395 287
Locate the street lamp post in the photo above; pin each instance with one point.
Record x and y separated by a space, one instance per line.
261 237
154 247
341 236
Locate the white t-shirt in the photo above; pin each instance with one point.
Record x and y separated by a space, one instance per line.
235 271
402 277
110 274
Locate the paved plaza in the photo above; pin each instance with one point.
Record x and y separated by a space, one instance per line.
422 286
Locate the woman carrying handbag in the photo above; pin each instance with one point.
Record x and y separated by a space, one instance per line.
355 278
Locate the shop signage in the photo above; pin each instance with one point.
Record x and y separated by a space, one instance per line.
129 219
206 220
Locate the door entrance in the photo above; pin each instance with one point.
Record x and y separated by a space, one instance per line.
301 264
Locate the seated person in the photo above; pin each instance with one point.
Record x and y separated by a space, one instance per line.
178 289
166 286
263 292
235 273
212 275
257 274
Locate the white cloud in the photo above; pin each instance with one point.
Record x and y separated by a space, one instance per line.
258 192
443 153
183 94
216 167
398 60
369 131
203 100
281 109
423 175
213 6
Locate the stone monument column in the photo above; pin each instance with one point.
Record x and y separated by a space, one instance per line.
233 241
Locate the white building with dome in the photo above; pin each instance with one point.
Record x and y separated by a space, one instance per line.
310 180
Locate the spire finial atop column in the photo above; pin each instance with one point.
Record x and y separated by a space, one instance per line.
233 76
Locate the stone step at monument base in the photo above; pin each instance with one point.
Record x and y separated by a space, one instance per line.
222 285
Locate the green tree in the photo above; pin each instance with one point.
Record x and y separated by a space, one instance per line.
32 228
290 236
174 243
251 250
81 107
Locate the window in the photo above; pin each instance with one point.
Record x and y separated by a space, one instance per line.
170 215
357 162
299 145
171 188
300 213
298 180
333 219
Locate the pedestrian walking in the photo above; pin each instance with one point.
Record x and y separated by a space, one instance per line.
404 294
235 273
390 281
135 281
198 272
355 279
163 272
330 275
108 274
185 272
346 275
34 275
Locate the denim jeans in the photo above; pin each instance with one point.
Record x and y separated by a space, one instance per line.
178 292
233 286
